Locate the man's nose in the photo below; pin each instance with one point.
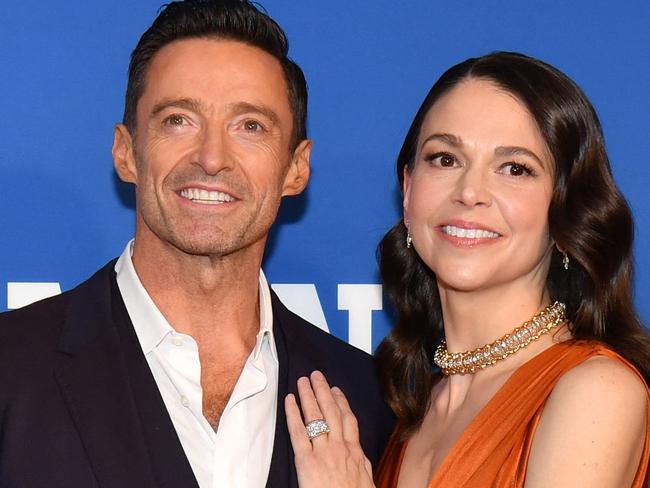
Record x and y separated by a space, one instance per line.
212 152
473 187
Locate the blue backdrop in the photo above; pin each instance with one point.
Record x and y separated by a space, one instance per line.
63 213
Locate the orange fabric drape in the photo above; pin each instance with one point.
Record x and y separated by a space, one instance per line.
493 451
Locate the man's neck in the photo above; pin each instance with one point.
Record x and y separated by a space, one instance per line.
214 299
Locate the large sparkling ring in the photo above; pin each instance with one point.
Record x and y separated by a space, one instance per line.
316 428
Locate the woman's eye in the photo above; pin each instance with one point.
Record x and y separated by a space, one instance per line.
444 160
516 169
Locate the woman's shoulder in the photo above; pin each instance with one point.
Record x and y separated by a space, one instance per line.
603 388
594 423
604 375
588 367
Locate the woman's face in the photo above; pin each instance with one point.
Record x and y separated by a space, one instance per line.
476 201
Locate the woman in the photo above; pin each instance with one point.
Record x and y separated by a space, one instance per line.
511 272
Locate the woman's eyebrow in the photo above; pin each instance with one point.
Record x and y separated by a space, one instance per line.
450 139
517 151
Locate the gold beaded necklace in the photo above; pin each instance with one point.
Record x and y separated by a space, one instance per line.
469 362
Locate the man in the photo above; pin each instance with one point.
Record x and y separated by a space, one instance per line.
170 365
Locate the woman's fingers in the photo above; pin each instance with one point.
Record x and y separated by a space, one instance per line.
319 401
321 463
327 404
349 422
310 408
308 404
367 465
296 427
351 428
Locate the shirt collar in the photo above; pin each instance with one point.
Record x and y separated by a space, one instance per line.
266 319
150 325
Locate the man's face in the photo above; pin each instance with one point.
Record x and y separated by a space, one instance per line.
211 156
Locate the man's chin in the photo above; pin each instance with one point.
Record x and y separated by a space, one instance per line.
207 247
200 240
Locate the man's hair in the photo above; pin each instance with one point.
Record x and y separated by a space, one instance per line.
237 20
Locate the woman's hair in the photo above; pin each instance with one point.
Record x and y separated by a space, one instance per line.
588 218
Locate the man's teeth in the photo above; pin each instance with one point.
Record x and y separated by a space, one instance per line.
205 196
452 230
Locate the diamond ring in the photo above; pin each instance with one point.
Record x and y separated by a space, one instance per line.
316 428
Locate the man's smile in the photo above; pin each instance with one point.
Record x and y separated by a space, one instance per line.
209 197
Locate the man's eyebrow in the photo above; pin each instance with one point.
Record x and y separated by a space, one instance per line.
196 106
247 107
186 103
518 151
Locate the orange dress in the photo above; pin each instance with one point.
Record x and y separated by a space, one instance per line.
493 450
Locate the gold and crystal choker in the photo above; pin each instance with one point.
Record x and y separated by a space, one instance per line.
469 362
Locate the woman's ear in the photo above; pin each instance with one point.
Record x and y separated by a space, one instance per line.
406 192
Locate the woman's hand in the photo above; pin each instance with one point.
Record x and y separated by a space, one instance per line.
334 459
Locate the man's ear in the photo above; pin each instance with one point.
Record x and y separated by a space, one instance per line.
124 155
406 192
299 168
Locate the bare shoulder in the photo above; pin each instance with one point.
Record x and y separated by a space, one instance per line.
607 379
593 428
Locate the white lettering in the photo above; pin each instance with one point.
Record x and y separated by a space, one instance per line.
20 294
303 300
360 301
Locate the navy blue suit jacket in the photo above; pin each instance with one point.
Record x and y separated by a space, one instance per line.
79 406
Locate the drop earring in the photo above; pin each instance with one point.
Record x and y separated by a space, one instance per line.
565 260
408 239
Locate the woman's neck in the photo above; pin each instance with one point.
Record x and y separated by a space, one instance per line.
474 319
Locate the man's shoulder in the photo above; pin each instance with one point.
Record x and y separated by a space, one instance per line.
41 322
29 338
304 334
345 366
40 315
310 348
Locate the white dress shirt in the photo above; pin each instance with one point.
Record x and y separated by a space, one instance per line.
238 455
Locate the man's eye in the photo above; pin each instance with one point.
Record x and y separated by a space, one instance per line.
252 126
175 120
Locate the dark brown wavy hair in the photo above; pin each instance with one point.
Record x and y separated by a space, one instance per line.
588 218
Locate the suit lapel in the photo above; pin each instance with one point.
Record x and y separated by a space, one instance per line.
296 357
129 438
282 472
171 467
